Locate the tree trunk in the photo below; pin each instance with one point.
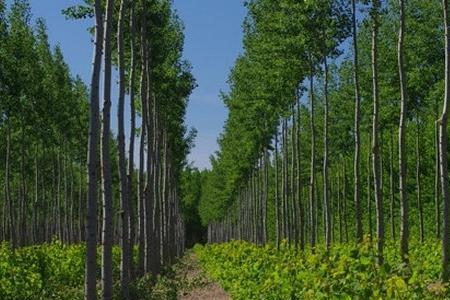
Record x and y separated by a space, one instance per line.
277 198
59 226
91 228
326 200
35 213
130 173
154 183
285 181
339 206
391 186
23 195
141 206
71 210
65 227
357 158
165 198
404 229
301 210
9 200
418 183
437 175
369 197
443 139
80 206
375 134
143 195
344 199
312 202
266 196
107 225
294 181
146 122
124 195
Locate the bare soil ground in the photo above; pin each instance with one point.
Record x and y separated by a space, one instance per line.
195 282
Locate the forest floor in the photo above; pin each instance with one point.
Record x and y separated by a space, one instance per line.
196 283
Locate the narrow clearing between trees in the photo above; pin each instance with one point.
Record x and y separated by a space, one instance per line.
196 285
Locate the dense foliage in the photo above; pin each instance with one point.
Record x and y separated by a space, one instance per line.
348 271
192 181
56 271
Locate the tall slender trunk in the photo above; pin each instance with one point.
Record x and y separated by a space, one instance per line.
91 228
71 209
59 226
369 196
391 186
404 230
286 189
443 139
339 205
43 221
326 200
23 194
277 197
143 194
294 181
141 205
154 183
4 228
54 203
252 207
65 227
437 175
375 133
418 183
35 213
9 200
146 121
124 195
266 195
357 158
80 205
130 173
312 202
283 182
301 211
344 199
258 200
107 225
164 198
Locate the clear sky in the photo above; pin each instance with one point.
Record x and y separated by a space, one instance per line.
213 41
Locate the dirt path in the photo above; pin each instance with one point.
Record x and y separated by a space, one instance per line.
195 283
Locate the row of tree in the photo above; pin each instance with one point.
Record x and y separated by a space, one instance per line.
334 111
50 121
44 132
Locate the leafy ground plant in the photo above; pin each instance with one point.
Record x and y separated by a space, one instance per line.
56 271
348 271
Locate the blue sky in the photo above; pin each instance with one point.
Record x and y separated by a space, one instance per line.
213 41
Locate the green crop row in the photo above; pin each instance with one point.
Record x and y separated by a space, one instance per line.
56 271
348 271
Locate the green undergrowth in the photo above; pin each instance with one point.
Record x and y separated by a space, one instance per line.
56 271
347 271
